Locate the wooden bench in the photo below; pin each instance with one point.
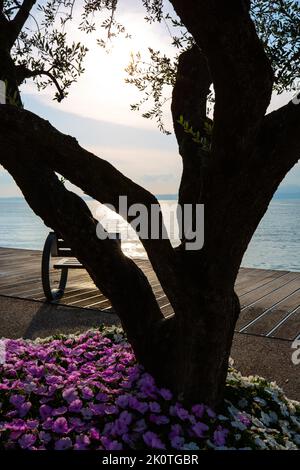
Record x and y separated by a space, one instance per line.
56 247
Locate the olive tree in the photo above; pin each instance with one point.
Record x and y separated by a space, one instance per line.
233 163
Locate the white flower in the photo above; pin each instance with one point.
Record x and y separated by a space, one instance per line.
260 401
238 425
190 446
265 418
222 418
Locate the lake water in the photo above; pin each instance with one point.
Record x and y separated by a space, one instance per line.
275 245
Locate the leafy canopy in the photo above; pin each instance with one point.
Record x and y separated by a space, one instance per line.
44 51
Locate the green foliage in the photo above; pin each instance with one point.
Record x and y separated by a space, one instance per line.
203 138
152 80
277 24
44 48
43 45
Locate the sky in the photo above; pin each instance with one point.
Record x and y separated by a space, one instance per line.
97 110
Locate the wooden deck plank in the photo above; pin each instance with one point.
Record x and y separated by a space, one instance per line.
275 315
269 286
269 299
263 306
290 329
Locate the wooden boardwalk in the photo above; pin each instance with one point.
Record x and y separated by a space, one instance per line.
270 300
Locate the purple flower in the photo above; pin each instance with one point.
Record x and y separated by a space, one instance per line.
122 401
82 442
154 407
70 395
36 371
198 410
47 424
75 406
181 412
87 413
27 440
63 443
45 411
32 424
152 440
120 426
97 409
244 419
17 425
210 412
59 411
199 429
60 426
45 437
159 419
177 442
24 408
138 405
176 430
87 393
94 434
140 426
108 444
101 396
77 424
220 435
17 400
166 394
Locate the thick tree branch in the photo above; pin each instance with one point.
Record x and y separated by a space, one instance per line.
16 25
116 275
94 176
241 72
279 142
189 99
23 73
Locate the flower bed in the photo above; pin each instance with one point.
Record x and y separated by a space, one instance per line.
88 392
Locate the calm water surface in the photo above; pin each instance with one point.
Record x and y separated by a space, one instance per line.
275 245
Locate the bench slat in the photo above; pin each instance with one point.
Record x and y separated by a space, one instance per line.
68 263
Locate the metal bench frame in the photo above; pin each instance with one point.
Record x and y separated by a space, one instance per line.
56 247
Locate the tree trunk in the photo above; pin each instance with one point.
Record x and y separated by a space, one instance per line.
189 353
